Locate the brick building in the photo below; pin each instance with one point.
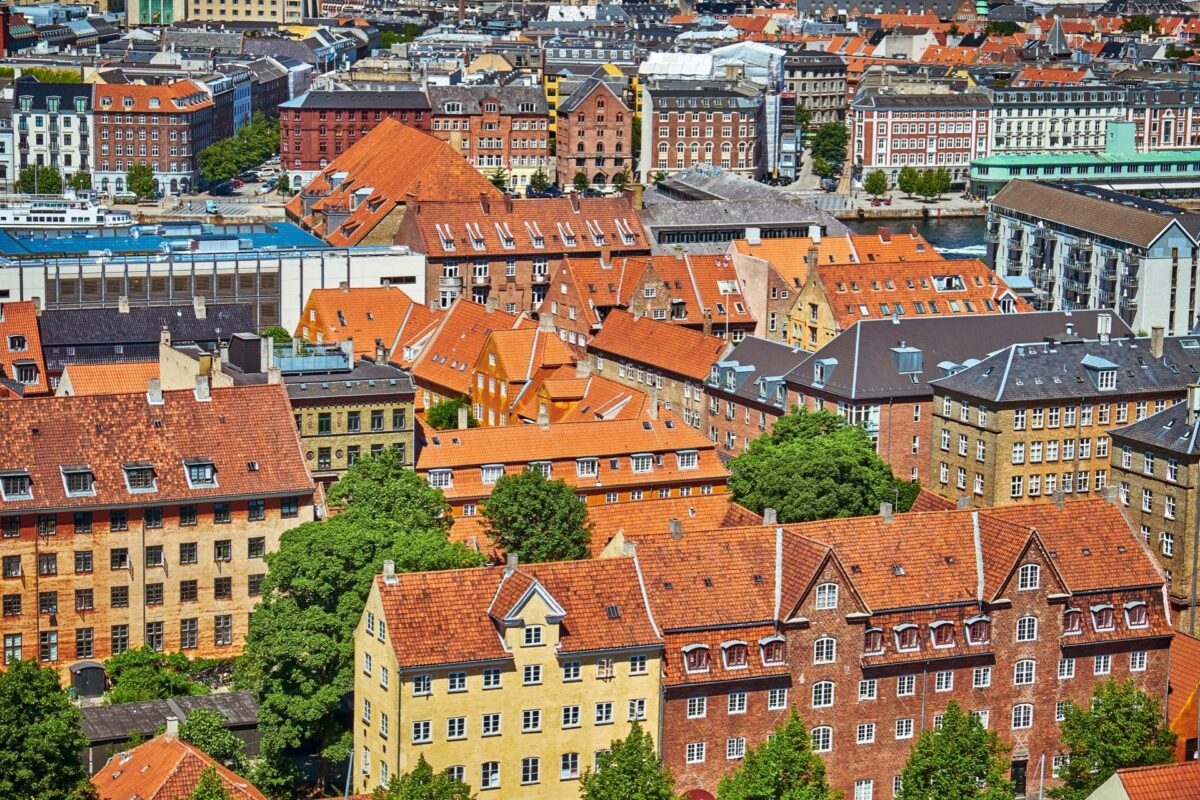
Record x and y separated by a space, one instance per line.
594 286
363 315
318 126
669 362
689 123
510 369
747 393
1033 419
696 291
595 135
171 122
136 519
21 360
508 249
495 127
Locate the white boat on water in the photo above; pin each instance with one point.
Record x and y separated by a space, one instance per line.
68 210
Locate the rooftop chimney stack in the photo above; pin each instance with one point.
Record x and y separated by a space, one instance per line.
606 256
543 420
493 303
770 516
37 306
1156 341
389 571
122 305
510 563
1103 327
463 419
676 528
274 375
546 322
164 336
203 390
154 395
199 308
172 727
1060 498
380 352
885 511
343 286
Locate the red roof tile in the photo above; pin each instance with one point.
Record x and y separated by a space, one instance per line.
165 768
1162 782
447 359
673 349
19 320
363 314
1185 672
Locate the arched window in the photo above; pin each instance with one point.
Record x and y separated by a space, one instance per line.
942 634
979 630
1136 614
726 148
1027 629
827 596
662 147
824 650
822 739
695 658
1022 716
1072 621
735 655
774 650
1024 672
579 147
822 694
906 637
1102 617
872 640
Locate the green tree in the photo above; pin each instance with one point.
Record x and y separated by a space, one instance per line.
909 180
635 136
140 180
423 784
205 728
941 181
659 177
953 30
410 31
822 168
145 674
830 142
299 655
45 74
39 180
1001 28
876 183
209 787
784 767
814 465
443 415
1138 23
80 180
803 118
630 770
539 181
581 182
40 735
499 178
961 760
1175 51
280 334
536 518
621 179
253 143
1123 727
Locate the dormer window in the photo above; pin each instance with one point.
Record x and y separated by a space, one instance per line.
907 638
453 108
476 236
735 655
1030 577
688 459
872 641
587 467
201 473
17 343
979 630
446 236
1102 618
535 234
491 473
714 377
1106 379
79 481
642 462
596 232
1136 615
1072 621
942 634
541 467
695 658
506 236
441 479
774 650
532 635
15 484
566 233
139 477
625 231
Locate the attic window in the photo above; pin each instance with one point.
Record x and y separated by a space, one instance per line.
695 658
446 236
906 637
140 478
506 236
535 233
16 485
625 231
201 473
476 236
1106 380
567 234
596 232
79 481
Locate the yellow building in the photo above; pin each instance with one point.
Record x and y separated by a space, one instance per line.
511 678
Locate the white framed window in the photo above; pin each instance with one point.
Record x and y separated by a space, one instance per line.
1027 629
531 720
865 733
906 685
777 699
1066 668
735 748
904 728
737 703
822 694
637 709
490 724
983 716
456 728
1029 577
1137 661
822 739
868 689
825 650
697 707
572 671
1024 672
1022 716
422 732
604 713
422 685
827 596
694 753
491 678
489 775
531 770
943 681
981 677
1059 765
570 716
531 674
864 789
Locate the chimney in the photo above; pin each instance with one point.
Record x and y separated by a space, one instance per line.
707 324
810 258
463 418
1193 403
510 563
583 369
814 233
433 306
637 191
753 236
543 420
164 336
1059 498
676 528
172 727
546 322
37 306
962 502
274 375
123 305
573 197
507 203
1156 341
198 307
1070 329
606 256
493 303
389 571
1103 327
484 204
770 516
652 406
154 392
885 511
203 391
343 286
380 352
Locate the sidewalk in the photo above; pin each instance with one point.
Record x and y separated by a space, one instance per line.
952 204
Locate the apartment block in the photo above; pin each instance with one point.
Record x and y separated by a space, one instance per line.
747 392
689 123
1060 119
495 128
595 134
1035 419
818 80
52 125
511 678
142 519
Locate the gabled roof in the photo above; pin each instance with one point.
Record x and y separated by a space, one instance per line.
368 181
122 377
600 284
1185 675
449 356
365 314
708 284
165 768
1161 782
671 348
20 319
143 324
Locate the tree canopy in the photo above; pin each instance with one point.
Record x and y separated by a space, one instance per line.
630 770
209 787
822 168
80 180
1138 23
581 183
299 651
537 519
45 74
814 465
227 158
876 183
40 736
278 333
1122 727
422 783
933 183
830 142
499 178
961 760
443 416
140 180
539 181
908 180
205 728
145 674
784 767
39 180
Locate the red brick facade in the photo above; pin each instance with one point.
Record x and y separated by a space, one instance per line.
701 123
905 429
595 136
495 128
317 127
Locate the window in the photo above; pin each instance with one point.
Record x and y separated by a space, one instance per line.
1136 615
864 789
1066 668
942 634
822 694
868 689
735 655
491 678
904 728
1102 665
695 658
735 748
604 713
1022 716
422 730
906 685
571 671
201 474
1137 661
1072 621
774 651
256 510
979 631
822 739
637 709
1029 577
943 681
456 728
533 635
694 753
906 637
223 629
489 775
1027 629
873 640
491 724
824 650
737 703
531 674
1102 618
697 707
637 665
827 596
48 646
569 766
1023 672
16 485
422 685
777 699
981 677
531 720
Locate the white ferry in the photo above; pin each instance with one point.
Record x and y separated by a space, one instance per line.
68 210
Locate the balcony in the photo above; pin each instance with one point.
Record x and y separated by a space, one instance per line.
540 277
481 280
450 282
991 235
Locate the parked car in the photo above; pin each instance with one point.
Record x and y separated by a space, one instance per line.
210 207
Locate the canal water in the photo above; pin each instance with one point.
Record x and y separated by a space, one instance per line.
957 237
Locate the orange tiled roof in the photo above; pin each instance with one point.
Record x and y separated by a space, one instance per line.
1069 26
790 257
889 21
19 319
674 349
697 513
934 288
593 398
1162 781
674 673
453 616
122 377
364 314
1049 76
929 501
1185 673
237 426
449 356
707 284
165 768
376 181
939 54
600 286
172 98
755 24
520 351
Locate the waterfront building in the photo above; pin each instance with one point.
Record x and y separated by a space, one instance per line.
1053 119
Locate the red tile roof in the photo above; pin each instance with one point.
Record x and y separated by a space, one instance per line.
1049 76
363 314
448 357
172 98
20 319
670 348
707 284
371 181
1162 782
165 768
122 377
593 398
601 286
1185 673
239 425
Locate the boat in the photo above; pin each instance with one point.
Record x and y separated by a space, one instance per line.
68 210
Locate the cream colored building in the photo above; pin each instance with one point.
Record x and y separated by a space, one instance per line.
513 678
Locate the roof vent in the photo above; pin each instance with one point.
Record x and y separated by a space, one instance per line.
252 466
708 582
898 570
613 612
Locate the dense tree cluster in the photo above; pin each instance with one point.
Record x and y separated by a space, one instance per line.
253 144
537 519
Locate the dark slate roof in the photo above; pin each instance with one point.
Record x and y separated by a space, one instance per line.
115 723
472 97
84 326
29 87
369 100
1043 371
581 93
883 98
1169 429
757 363
1011 12
862 363
220 41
